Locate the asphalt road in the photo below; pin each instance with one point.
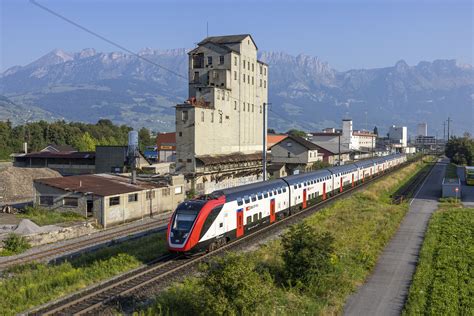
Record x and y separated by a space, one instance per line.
385 291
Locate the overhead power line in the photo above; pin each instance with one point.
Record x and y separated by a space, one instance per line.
113 43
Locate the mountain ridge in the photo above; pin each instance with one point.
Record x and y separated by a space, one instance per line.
305 91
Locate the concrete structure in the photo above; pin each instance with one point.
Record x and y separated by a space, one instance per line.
113 159
296 153
422 129
398 136
228 87
451 188
111 199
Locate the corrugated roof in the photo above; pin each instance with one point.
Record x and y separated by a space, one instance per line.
97 184
58 148
225 39
63 155
332 147
235 157
272 139
300 140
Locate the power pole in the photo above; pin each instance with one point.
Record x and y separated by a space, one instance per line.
449 121
339 138
444 130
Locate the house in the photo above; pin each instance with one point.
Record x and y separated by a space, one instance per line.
296 153
110 199
65 162
330 152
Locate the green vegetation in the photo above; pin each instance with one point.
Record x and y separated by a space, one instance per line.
320 165
443 282
311 270
451 171
296 132
46 217
14 244
26 286
83 137
461 150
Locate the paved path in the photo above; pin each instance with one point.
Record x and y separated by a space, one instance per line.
385 290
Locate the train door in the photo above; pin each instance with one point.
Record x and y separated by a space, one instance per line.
240 223
340 184
272 210
304 198
324 190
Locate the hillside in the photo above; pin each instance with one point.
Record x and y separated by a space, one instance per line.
305 92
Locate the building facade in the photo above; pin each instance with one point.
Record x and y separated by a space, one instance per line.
398 136
228 88
422 129
296 153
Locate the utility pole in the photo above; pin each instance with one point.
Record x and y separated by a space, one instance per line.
449 121
264 149
444 130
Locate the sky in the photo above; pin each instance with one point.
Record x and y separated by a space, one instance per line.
347 34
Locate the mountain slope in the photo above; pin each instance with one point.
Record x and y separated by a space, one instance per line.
304 91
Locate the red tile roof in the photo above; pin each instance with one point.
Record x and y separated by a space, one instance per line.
166 141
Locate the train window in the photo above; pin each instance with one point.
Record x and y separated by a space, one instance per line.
295 186
221 225
255 217
299 185
249 219
270 193
247 199
239 201
254 198
279 191
265 194
260 196
284 189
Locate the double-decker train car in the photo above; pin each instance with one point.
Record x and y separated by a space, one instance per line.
210 221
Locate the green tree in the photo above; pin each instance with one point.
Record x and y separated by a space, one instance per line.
296 132
144 138
86 143
320 165
306 254
460 150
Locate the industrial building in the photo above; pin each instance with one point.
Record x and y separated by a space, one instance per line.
219 129
111 199
166 147
398 136
422 129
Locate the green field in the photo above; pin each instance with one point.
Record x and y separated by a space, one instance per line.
444 280
359 226
44 217
451 171
24 287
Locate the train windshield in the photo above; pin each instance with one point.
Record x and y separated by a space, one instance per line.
186 214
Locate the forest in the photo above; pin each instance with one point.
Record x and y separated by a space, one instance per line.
81 136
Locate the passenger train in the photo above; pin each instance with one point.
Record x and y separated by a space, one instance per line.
206 223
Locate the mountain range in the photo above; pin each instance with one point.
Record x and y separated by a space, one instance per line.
304 92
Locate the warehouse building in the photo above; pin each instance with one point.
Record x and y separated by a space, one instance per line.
110 199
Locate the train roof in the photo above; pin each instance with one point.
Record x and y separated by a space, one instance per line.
298 178
344 168
252 188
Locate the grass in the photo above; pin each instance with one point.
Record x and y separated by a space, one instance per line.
14 244
361 226
443 282
47 217
26 286
451 171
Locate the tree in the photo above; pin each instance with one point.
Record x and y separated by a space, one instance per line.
376 131
460 150
320 165
306 254
296 132
86 143
144 138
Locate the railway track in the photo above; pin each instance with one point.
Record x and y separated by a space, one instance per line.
408 190
170 267
80 245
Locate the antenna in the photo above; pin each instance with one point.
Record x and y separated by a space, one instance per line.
132 153
207 29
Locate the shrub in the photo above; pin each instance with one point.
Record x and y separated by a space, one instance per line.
306 253
15 244
231 285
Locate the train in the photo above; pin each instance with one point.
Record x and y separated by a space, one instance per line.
210 221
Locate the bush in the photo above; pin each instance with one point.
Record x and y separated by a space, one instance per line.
15 244
48 217
231 285
306 254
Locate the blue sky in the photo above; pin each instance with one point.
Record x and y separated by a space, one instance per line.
347 34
